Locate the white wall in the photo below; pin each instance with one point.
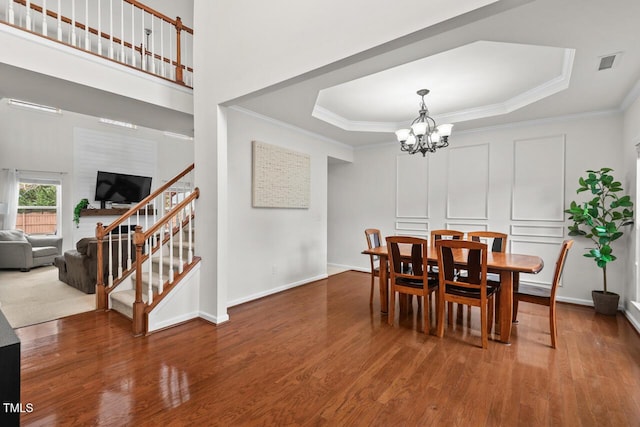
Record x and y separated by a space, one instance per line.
272 249
363 194
630 153
38 141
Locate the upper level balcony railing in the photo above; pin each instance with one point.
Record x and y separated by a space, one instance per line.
125 31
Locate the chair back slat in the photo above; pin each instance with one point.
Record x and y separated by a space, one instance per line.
373 241
499 243
418 257
445 234
475 264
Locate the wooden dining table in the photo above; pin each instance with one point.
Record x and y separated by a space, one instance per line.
507 265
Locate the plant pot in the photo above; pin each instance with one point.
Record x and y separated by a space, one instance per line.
605 303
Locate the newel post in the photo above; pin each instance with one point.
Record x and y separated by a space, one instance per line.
138 305
178 51
101 293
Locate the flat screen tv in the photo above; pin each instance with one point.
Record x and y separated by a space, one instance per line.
121 188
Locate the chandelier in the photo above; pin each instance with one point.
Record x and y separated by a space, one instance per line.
424 136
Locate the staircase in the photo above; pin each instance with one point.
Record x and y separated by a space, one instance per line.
122 300
156 285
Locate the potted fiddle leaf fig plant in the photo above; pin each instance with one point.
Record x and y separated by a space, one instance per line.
601 219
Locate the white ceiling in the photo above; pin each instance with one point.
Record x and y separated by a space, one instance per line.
488 79
533 61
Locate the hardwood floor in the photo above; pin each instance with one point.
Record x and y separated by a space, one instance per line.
319 355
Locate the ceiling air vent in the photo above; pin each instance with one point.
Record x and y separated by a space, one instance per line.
608 61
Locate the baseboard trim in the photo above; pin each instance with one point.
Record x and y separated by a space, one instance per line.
349 267
216 320
276 290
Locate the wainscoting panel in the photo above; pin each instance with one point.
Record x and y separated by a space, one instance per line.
468 182
421 234
409 225
538 182
537 230
547 250
465 227
412 186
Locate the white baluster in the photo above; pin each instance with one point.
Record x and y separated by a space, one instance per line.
153 47
27 20
133 38
73 23
110 262
87 41
171 56
153 213
180 241
150 284
120 253
59 21
170 253
161 263
146 218
122 32
99 28
190 253
111 29
11 13
129 250
44 18
162 67
143 50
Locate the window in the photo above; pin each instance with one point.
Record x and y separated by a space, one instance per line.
38 205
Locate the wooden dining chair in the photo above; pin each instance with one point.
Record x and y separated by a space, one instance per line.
374 240
413 281
497 242
543 296
438 235
470 290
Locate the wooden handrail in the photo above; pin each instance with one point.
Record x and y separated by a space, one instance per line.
144 202
116 40
156 14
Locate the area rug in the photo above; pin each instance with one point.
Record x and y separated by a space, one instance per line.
38 296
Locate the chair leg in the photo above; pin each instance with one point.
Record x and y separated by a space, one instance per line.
392 307
450 313
371 293
514 315
440 314
490 310
483 325
425 313
553 327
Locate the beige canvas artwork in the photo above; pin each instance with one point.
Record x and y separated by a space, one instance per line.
281 177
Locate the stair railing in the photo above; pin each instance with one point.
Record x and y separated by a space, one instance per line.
129 32
162 232
117 237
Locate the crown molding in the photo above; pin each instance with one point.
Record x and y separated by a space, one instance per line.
290 127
